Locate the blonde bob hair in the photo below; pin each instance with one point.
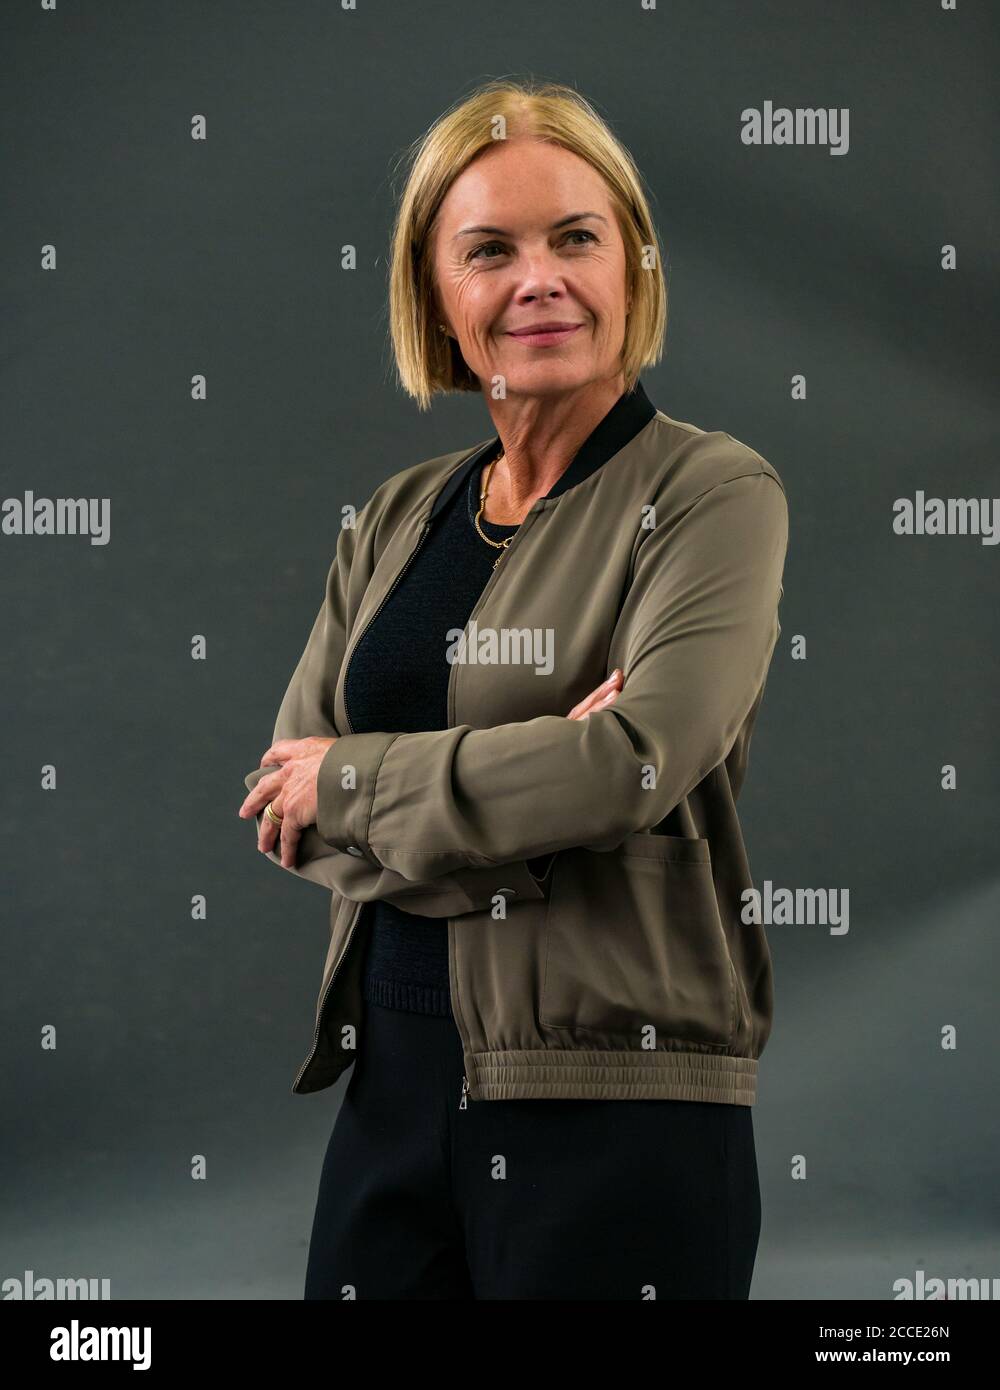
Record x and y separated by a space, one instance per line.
429 361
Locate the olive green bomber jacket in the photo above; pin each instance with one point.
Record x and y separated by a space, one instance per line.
625 969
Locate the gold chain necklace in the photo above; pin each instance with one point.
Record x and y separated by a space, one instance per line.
497 545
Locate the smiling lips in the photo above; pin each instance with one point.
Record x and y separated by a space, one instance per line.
545 334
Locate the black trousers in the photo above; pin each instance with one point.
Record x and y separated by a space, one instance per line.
524 1199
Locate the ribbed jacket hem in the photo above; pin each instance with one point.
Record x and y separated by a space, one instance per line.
612 1076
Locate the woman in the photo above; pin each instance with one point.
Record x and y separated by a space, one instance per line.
538 958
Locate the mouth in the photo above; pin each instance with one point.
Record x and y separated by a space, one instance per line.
545 334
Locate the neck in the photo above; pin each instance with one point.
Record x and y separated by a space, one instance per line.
541 436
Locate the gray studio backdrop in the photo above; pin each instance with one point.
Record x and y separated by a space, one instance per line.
180 1037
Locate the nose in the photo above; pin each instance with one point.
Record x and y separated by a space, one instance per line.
541 277
541 288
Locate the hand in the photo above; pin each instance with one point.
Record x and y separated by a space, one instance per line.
291 791
599 698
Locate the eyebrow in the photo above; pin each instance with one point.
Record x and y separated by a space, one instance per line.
500 231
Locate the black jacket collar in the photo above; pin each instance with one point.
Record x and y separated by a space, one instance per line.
631 412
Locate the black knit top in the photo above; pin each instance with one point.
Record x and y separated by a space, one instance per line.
397 682
397 679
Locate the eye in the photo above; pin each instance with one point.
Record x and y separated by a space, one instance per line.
487 245
484 247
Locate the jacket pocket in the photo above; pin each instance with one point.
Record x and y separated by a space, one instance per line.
633 939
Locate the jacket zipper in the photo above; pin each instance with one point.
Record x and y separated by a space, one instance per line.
350 728
490 583
326 994
357 644
477 607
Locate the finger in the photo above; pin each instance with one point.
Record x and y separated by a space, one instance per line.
284 748
594 701
290 836
587 702
268 832
590 701
266 789
601 704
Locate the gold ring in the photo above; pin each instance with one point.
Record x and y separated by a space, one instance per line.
272 817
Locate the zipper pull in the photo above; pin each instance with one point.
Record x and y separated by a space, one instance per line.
463 1104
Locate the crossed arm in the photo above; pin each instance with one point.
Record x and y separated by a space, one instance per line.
693 640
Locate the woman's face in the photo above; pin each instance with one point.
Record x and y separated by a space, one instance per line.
527 236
